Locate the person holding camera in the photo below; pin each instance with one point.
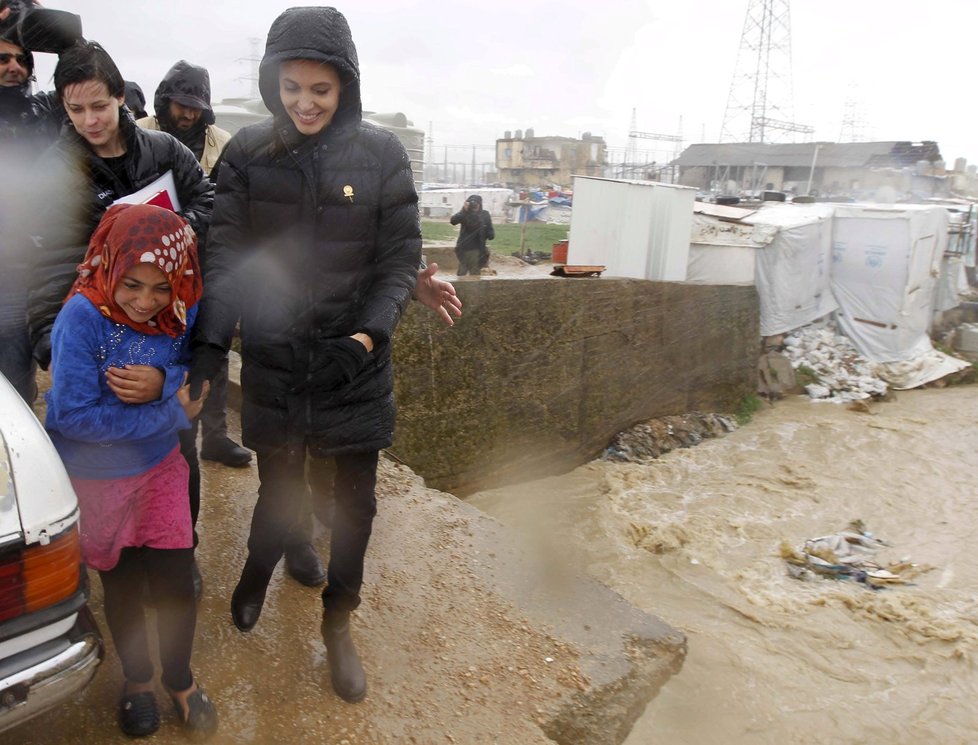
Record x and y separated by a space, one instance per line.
476 228
29 124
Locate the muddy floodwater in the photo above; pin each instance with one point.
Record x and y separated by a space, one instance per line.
694 538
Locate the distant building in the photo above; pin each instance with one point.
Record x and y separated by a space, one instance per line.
234 113
529 161
858 169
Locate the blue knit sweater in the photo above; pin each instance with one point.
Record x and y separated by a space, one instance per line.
98 436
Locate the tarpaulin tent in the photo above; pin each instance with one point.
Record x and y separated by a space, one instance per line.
886 261
633 228
784 249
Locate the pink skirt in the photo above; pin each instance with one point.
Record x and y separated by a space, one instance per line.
151 509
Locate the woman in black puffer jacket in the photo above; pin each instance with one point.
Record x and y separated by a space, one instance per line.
314 246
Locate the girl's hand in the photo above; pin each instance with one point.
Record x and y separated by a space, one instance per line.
136 384
192 407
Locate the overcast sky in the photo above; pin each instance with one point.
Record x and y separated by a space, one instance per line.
471 70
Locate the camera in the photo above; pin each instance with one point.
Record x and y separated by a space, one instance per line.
38 29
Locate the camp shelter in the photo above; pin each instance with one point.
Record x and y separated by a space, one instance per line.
633 228
886 262
784 249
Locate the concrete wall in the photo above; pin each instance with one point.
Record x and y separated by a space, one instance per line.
539 374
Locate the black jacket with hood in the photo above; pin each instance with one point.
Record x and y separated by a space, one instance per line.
313 238
78 188
190 85
475 231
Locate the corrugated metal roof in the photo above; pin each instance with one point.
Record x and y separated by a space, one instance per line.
830 154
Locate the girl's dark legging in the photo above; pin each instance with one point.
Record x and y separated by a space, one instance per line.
167 575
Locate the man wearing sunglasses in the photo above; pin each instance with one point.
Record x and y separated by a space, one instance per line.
29 123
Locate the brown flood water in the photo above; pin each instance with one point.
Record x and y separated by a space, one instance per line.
694 536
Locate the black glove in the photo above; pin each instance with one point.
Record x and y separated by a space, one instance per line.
337 363
206 363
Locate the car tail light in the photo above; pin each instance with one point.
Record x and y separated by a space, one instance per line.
36 577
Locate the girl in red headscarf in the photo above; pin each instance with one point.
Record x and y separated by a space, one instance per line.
133 303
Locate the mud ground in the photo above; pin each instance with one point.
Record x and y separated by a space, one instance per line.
447 660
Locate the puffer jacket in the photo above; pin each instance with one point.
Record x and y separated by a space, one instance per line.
312 238
215 139
79 187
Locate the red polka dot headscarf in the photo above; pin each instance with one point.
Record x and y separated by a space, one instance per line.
131 234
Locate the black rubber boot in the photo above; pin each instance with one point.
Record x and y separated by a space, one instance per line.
303 564
249 596
226 451
345 669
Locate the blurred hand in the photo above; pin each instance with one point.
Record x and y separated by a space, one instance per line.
136 384
207 361
42 352
192 406
438 295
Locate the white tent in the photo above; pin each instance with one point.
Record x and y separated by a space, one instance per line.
637 229
886 262
784 249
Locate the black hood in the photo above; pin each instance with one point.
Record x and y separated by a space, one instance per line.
320 34
476 199
188 85
135 99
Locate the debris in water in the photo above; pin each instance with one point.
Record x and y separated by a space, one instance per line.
847 555
648 440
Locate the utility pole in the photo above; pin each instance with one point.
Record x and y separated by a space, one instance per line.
760 101
254 57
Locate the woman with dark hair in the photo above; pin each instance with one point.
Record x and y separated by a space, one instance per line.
315 246
103 156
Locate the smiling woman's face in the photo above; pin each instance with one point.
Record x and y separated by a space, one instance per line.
310 93
94 114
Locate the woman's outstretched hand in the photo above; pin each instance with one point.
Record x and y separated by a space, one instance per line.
438 295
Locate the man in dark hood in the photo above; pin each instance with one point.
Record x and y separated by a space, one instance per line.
476 228
183 109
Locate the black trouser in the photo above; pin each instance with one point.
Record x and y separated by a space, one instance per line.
286 473
469 261
213 416
188 449
166 572
319 510
213 420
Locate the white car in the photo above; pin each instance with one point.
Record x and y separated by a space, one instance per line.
50 645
